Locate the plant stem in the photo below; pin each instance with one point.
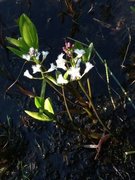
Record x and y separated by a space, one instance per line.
43 89
116 80
89 88
92 105
65 102
108 84
110 72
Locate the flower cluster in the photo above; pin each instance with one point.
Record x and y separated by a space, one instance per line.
71 65
37 67
68 49
68 65
34 53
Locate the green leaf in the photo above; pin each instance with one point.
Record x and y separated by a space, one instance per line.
28 31
38 116
90 48
78 45
39 102
24 47
21 22
86 57
19 43
14 42
48 105
15 51
27 35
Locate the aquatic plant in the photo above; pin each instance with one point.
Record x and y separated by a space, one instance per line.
26 47
64 75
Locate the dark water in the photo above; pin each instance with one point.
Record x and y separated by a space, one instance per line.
51 153
54 23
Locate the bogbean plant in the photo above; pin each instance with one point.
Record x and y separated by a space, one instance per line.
71 65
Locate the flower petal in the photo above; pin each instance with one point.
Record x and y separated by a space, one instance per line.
89 66
26 57
61 80
28 75
31 51
38 55
36 68
44 55
60 62
52 68
79 52
74 72
78 63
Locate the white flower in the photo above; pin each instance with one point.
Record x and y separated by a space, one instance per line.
74 72
60 62
79 52
52 68
78 63
26 57
31 51
44 54
61 80
36 68
28 75
89 66
37 55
